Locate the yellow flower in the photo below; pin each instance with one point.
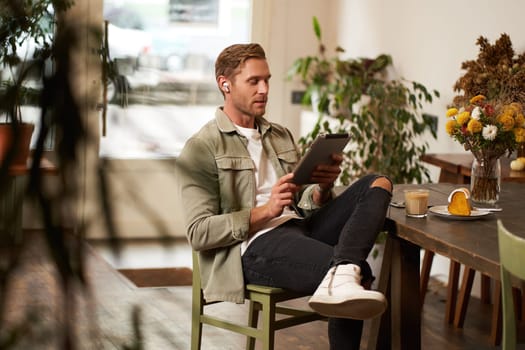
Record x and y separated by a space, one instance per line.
452 112
507 121
463 118
487 126
511 110
450 126
474 126
516 106
519 135
478 98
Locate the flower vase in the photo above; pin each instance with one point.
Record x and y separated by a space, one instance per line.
485 180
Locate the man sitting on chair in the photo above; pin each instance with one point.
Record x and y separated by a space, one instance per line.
250 223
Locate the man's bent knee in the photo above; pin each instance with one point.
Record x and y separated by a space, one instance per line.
383 182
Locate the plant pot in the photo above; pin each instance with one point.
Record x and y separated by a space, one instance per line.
15 150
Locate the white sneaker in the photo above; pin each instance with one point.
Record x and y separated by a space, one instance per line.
341 295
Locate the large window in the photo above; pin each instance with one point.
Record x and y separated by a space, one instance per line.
165 52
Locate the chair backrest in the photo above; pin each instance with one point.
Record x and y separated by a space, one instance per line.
512 261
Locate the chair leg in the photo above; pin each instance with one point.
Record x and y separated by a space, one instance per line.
196 325
496 328
452 291
516 295
253 317
464 295
268 317
426 266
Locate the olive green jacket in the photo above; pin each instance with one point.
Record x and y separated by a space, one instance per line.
217 190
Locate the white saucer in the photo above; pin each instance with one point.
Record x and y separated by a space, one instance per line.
442 211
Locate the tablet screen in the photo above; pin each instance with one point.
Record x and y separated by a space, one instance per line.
320 152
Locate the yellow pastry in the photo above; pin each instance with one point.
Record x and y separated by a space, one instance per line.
459 202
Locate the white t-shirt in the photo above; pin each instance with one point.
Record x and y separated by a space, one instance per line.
265 178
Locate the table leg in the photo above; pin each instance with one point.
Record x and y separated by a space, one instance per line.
400 326
406 314
485 289
379 337
428 258
452 291
464 297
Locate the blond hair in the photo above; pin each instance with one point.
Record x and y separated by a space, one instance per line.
231 58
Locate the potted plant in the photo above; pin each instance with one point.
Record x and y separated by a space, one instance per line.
497 73
487 116
26 49
383 115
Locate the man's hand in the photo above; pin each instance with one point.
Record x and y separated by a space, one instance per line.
325 176
281 196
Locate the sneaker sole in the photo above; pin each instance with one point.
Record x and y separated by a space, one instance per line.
358 309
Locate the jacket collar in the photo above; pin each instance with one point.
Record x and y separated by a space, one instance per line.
225 125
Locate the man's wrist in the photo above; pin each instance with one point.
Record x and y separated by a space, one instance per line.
322 190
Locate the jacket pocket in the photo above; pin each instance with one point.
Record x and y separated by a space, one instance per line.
236 182
288 159
234 163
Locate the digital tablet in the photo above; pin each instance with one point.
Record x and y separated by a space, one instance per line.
320 152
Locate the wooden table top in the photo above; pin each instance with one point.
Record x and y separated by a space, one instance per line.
474 242
461 163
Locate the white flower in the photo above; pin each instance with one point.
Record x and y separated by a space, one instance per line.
476 113
489 132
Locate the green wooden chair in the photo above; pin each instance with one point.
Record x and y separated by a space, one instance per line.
512 260
262 299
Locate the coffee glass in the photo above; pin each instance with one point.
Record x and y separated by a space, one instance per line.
416 202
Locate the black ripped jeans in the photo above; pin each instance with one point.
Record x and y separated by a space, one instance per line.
298 254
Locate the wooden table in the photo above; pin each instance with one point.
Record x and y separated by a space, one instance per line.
456 167
472 243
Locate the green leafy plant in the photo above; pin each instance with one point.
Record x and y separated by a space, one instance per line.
384 116
26 48
487 129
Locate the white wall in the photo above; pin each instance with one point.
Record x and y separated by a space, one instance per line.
286 33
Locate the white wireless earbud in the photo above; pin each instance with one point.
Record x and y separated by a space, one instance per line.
226 87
